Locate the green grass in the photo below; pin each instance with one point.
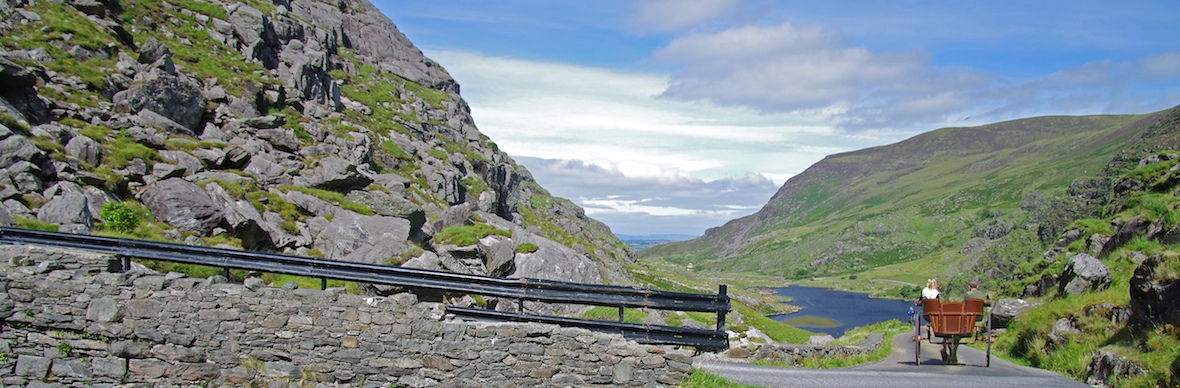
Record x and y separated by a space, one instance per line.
604 313
464 235
702 379
332 197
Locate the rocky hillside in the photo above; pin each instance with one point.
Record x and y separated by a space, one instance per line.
953 203
1108 288
311 127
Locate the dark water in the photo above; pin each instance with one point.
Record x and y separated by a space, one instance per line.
833 312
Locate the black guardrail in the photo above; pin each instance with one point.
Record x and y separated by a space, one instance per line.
536 290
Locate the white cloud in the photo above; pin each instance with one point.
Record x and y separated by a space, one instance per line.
615 119
793 69
667 203
669 15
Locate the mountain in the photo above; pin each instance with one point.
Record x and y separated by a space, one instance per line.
956 202
311 127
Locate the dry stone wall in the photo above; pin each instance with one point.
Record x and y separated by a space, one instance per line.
68 321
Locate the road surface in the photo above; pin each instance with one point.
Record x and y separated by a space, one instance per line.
896 370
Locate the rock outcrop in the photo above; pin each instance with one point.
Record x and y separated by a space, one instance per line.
310 128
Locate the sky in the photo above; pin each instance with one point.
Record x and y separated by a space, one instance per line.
675 116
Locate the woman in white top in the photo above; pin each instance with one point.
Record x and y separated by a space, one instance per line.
931 290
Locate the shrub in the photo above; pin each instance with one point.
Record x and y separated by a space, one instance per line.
527 248
119 216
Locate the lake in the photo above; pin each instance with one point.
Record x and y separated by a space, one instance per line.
833 312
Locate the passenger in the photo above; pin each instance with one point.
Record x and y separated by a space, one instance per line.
931 290
973 291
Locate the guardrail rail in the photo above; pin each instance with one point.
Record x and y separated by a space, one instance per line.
521 290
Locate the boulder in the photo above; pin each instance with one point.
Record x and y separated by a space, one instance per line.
280 139
499 255
178 98
85 149
391 205
245 221
183 205
267 173
1083 273
19 148
554 261
185 160
335 173
356 237
69 208
1005 310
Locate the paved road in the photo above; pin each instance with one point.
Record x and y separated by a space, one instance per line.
897 370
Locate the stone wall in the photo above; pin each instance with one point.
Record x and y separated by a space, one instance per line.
68 321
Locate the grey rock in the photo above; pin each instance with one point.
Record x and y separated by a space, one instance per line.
265 122
1106 367
152 119
6 217
280 139
335 173
185 160
392 205
350 233
1005 310
71 208
104 310
153 50
1083 273
32 366
1061 332
183 205
148 136
59 133
85 149
210 157
176 97
19 148
499 256
162 171
370 33
267 173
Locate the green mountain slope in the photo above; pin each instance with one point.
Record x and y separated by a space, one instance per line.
954 196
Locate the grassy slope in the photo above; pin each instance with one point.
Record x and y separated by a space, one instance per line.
906 202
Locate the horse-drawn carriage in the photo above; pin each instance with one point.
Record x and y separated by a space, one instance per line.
951 323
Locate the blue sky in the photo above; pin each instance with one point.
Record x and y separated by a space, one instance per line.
673 116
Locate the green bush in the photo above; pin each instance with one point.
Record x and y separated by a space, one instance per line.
119 216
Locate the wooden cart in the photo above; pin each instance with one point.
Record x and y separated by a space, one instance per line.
951 323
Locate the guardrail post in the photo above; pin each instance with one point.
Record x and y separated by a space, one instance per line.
620 314
126 263
721 290
225 272
323 284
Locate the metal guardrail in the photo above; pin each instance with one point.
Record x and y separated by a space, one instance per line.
536 290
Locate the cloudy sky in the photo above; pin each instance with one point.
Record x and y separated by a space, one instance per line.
674 116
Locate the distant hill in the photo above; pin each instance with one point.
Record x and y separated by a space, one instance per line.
949 199
647 241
